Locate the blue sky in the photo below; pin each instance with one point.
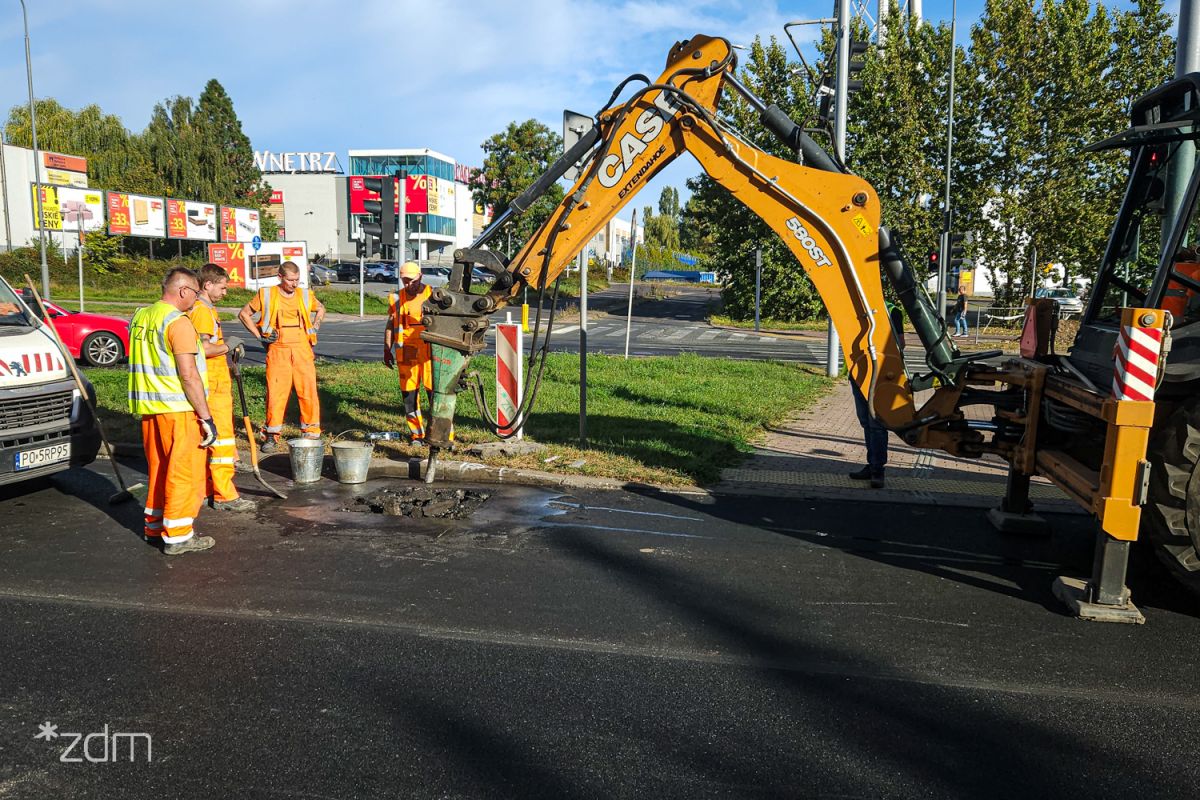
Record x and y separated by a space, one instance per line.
302 72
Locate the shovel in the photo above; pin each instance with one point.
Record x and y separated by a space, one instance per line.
237 376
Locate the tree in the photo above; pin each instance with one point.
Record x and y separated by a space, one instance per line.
513 160
227 166
723 231
662 229
114 156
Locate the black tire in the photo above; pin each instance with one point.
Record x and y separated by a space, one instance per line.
1171 518
102 349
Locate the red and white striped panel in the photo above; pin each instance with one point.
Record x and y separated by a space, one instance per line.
1136 363
509 357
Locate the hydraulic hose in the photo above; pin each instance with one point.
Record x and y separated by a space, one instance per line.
939 353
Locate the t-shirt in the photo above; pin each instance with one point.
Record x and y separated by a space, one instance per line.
209 327
182 337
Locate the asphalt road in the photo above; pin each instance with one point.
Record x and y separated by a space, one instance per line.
659 328
581 645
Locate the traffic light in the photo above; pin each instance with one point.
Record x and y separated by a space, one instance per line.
365 247
933 260
384 210
958 260
856 64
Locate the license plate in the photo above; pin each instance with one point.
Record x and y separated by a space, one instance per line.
32 459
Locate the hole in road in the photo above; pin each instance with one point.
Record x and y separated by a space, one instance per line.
420 502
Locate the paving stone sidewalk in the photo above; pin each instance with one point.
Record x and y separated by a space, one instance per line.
810 455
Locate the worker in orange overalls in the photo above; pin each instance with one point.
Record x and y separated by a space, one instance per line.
289 318
167 386
222 456
404 348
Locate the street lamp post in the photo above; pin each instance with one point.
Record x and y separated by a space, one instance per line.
37 173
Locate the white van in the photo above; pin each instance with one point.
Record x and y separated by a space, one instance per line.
45 426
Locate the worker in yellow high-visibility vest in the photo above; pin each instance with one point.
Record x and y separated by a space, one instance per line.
222 456
168 383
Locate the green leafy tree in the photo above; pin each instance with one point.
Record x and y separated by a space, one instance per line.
662 229
723 232
115 158
513 160
227 166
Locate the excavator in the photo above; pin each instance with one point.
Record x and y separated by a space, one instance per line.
1115 424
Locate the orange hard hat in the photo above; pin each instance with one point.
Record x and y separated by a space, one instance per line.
410 270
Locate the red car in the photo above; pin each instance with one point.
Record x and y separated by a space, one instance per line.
98 339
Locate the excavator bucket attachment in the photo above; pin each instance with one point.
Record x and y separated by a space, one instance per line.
448 367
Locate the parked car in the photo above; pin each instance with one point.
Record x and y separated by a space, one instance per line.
321 275
347 271
435 276
97 339
1068 302
381 271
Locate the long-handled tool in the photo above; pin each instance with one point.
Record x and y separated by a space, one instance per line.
237 377
126 492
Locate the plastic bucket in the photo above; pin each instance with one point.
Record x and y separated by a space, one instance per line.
352 459
308 455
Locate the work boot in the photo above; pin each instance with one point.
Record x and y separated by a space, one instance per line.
236 504
192 545
271 445
863 474
877 481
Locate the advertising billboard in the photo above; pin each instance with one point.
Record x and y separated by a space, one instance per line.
136 215
188 219
64 170
423 194
252 270
65 208
239 224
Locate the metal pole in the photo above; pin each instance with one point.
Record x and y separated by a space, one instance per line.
833 347
1032 271
583 315
401 226
4 193
632 275
37 171
1179 168
362 273
757 286
79 256
947 220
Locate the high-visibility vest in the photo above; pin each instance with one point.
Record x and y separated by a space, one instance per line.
154 383
405 316
267 322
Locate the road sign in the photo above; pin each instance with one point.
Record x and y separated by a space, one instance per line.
256 243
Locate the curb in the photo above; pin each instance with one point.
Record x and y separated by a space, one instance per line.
475 472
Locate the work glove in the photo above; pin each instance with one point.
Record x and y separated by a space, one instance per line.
389 360
237 350
269 338
208 432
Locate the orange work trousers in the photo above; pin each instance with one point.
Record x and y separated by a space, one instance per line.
176 475
223 453
415 368
291 364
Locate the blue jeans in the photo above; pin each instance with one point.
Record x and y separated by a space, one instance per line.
875 434
960 323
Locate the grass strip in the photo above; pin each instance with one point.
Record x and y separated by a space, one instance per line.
667 420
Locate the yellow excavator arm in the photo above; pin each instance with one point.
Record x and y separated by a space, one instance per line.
828 218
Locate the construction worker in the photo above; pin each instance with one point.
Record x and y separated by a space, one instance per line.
404 348
289 318
168 382
222 456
